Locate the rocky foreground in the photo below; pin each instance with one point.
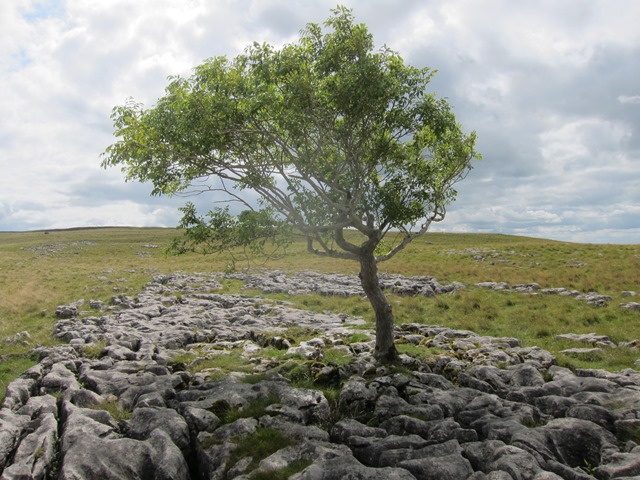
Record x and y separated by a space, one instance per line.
131 395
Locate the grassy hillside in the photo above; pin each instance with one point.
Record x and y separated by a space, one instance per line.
39 271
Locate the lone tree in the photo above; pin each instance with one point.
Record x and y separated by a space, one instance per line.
340 142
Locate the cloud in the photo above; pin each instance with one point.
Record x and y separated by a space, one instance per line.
629 99
549 87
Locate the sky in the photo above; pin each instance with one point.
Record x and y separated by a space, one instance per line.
551 88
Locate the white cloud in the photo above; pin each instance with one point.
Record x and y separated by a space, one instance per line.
581 141
549 87
629 99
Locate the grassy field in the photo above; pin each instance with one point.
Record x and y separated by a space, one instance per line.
39 271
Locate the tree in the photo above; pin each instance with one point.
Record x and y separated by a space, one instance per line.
334 137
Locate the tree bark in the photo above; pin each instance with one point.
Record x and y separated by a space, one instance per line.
385 349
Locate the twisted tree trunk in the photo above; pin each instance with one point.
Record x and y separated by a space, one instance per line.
385 350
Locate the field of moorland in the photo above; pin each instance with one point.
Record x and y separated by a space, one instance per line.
41 270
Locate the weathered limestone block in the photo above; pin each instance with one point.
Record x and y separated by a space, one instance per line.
66 311
118 458
343 430
369 450
59 379
388 406
435 462
12 425
621 465
569 441
346 466
145 420
18 393
199 419
294 430
313 451
36 452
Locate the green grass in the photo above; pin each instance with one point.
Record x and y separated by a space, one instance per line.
264 442
255 409
220 363
40 271
114 409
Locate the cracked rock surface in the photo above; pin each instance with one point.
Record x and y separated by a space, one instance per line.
118 399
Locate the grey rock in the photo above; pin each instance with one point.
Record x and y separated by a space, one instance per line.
594 413
388 406
117 458
406 425
20 337
438 462
347 467
555 405
59 379
433 380
584 353
630 306
589 338
145 420
369 450
312 451
356 397
547 476
312 404
36 452
526 375
517 462
240 428
212 455
569 441
294 430
18 393
200 420
343 430
66 311
11 427
621 465
448 429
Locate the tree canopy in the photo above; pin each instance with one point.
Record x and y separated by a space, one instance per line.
329 132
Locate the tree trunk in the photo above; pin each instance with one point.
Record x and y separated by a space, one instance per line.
385 350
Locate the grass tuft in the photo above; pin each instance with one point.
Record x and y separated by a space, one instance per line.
264 442
114 409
